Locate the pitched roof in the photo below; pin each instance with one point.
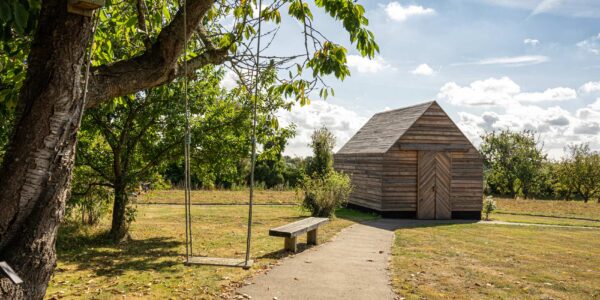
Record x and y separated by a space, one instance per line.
383 130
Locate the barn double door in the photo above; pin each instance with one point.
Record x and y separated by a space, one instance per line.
434 185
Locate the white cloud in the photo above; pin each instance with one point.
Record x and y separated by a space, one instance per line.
230 80
590 87
556 126
514 60
553 94
591 45
366 65
546 6
596 105
571 8
423 69
343 123
590 112
588 127
531 42
499 92
397 12
488 92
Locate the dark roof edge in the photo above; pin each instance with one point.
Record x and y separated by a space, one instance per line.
428 103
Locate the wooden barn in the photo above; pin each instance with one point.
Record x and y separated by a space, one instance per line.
414 162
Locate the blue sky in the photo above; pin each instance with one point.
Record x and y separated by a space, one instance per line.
491 64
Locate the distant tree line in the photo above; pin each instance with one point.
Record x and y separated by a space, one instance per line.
515 165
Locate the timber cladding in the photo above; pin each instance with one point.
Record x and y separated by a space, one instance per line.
413 160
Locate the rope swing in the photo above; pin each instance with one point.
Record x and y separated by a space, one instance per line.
246 263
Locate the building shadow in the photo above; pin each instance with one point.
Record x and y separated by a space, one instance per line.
395 224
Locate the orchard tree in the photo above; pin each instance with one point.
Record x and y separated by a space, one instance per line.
38 163
128 140
580 172
513 161
125 141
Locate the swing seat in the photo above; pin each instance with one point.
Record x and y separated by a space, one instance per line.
219 261
291 232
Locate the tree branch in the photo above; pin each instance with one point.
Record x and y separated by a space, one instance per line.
156 65
157 158
141 12
89 187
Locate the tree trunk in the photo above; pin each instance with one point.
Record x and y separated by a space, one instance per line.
119 230
36 173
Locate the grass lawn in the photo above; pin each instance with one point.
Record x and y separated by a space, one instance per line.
474 261
219 197
151 265
575 213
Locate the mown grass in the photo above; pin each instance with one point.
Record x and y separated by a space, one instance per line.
151 264
219 197
553 212
477 261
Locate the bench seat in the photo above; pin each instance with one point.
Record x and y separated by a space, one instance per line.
291 231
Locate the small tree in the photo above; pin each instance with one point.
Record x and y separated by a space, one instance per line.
581 171
322 143
324 189
513 162
322 196
90 197
489 205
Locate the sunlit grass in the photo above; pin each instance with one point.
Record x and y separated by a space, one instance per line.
151 265
576 213
219 197
475 261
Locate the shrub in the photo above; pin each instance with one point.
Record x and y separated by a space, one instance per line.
90 200
489 205
322 196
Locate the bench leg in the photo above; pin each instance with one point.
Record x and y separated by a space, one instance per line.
311 237
290 244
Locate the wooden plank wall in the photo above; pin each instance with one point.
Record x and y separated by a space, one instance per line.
467 181
434 131
399 180
365 171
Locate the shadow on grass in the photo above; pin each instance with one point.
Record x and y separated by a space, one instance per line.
375 220
97 253
546 216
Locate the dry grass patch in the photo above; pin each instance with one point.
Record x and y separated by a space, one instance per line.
554 212
475 261
151 265
219 197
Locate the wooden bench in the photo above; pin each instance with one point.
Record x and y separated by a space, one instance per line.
291 232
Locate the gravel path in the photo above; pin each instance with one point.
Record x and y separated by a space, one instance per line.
352 266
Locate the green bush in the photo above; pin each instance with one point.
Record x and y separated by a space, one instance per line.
489 205
322 196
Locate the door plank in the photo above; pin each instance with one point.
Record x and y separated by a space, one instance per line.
426 182
443 206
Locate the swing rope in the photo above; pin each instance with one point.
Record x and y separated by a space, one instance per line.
187 142
187 185
253 157
87 67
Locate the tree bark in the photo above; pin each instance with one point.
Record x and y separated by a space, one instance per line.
119 230
36 172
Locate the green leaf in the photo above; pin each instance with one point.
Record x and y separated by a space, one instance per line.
20 16
5 14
